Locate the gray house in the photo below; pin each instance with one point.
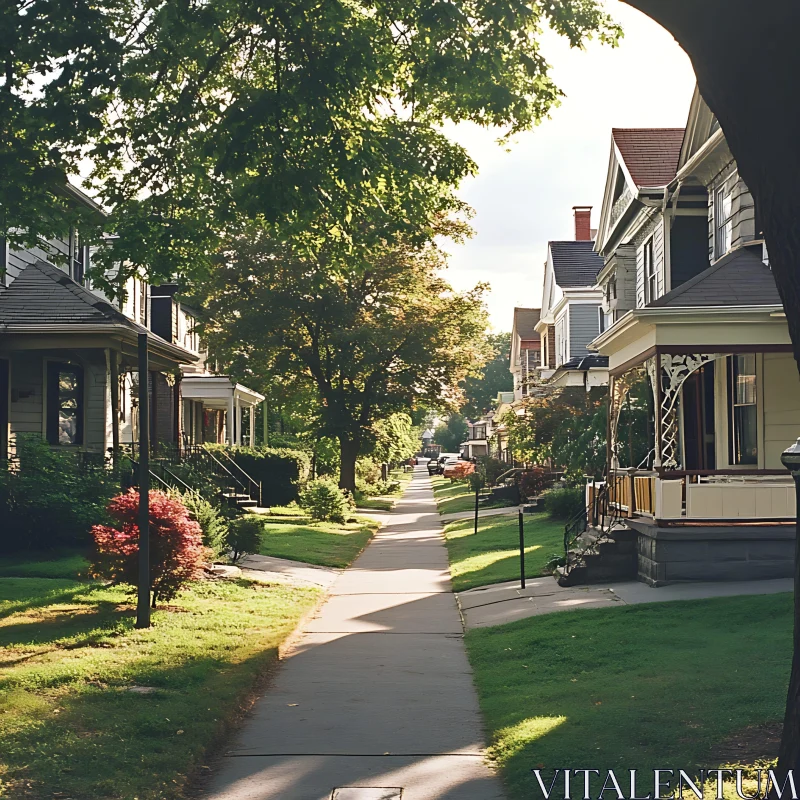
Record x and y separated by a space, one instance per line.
704 392
571 310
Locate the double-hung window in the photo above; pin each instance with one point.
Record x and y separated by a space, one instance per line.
65 389
649 272
742 409
79 258
723 224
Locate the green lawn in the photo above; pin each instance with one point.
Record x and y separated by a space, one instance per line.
453 497
492 556
70 727
649 686
325 543
375 503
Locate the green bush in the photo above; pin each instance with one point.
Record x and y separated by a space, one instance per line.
53 499
368 471
378 488
212 520
325 501
565 503
280 471
244 536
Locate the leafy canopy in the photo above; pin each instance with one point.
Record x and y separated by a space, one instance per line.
371 341
296 113
481 391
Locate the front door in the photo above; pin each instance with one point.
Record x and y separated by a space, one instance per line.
698 420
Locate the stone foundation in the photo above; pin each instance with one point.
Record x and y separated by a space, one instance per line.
674 554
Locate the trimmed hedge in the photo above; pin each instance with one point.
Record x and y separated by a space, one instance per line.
281 471
565 503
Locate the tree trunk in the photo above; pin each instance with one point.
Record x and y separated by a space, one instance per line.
747 63
347 462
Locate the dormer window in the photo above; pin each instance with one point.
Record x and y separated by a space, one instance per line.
649 272
723 223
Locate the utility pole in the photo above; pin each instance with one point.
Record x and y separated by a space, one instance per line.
143 599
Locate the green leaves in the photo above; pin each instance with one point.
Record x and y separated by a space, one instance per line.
295 114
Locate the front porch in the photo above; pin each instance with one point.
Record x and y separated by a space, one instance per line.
217 409
702 402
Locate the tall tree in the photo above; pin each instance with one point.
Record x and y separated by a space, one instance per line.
481 391
747 63
297 113
369 340
451 433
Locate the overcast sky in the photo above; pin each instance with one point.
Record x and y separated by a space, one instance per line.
524 198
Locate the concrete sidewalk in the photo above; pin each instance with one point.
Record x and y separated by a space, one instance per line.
377 695
506 602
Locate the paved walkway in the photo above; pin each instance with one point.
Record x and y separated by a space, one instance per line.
506 602
284 570
377 693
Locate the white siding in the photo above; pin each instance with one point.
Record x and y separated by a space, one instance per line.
781 406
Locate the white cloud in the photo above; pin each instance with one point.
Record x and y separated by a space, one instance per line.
524 198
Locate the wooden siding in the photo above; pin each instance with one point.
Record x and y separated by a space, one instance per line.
781 406
742 209
26 412
19 259
584 326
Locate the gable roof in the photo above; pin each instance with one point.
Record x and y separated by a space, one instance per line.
740 278
43 295
575 263
525 320
650 154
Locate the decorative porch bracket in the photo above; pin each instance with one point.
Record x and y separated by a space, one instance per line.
675 370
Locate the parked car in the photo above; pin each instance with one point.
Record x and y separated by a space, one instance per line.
436 466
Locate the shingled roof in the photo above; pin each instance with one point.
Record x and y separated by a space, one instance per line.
650 154
575 263
740 278
524 321
44 295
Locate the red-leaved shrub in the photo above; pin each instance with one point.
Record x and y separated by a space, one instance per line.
459 471
177 553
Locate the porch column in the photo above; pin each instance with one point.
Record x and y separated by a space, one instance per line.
231 416
239 436
252 426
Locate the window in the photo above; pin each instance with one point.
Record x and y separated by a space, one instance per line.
64 404
3 260
723 224
649 272
742 410
479 432
601 320
79 258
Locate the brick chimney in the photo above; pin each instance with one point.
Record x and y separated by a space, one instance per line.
583 223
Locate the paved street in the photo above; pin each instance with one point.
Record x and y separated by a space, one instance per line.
377 694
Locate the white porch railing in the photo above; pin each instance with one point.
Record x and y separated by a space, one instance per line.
715 495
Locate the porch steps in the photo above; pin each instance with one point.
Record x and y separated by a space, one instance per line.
600 558
239 500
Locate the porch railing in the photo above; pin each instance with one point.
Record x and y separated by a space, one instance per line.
718 495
